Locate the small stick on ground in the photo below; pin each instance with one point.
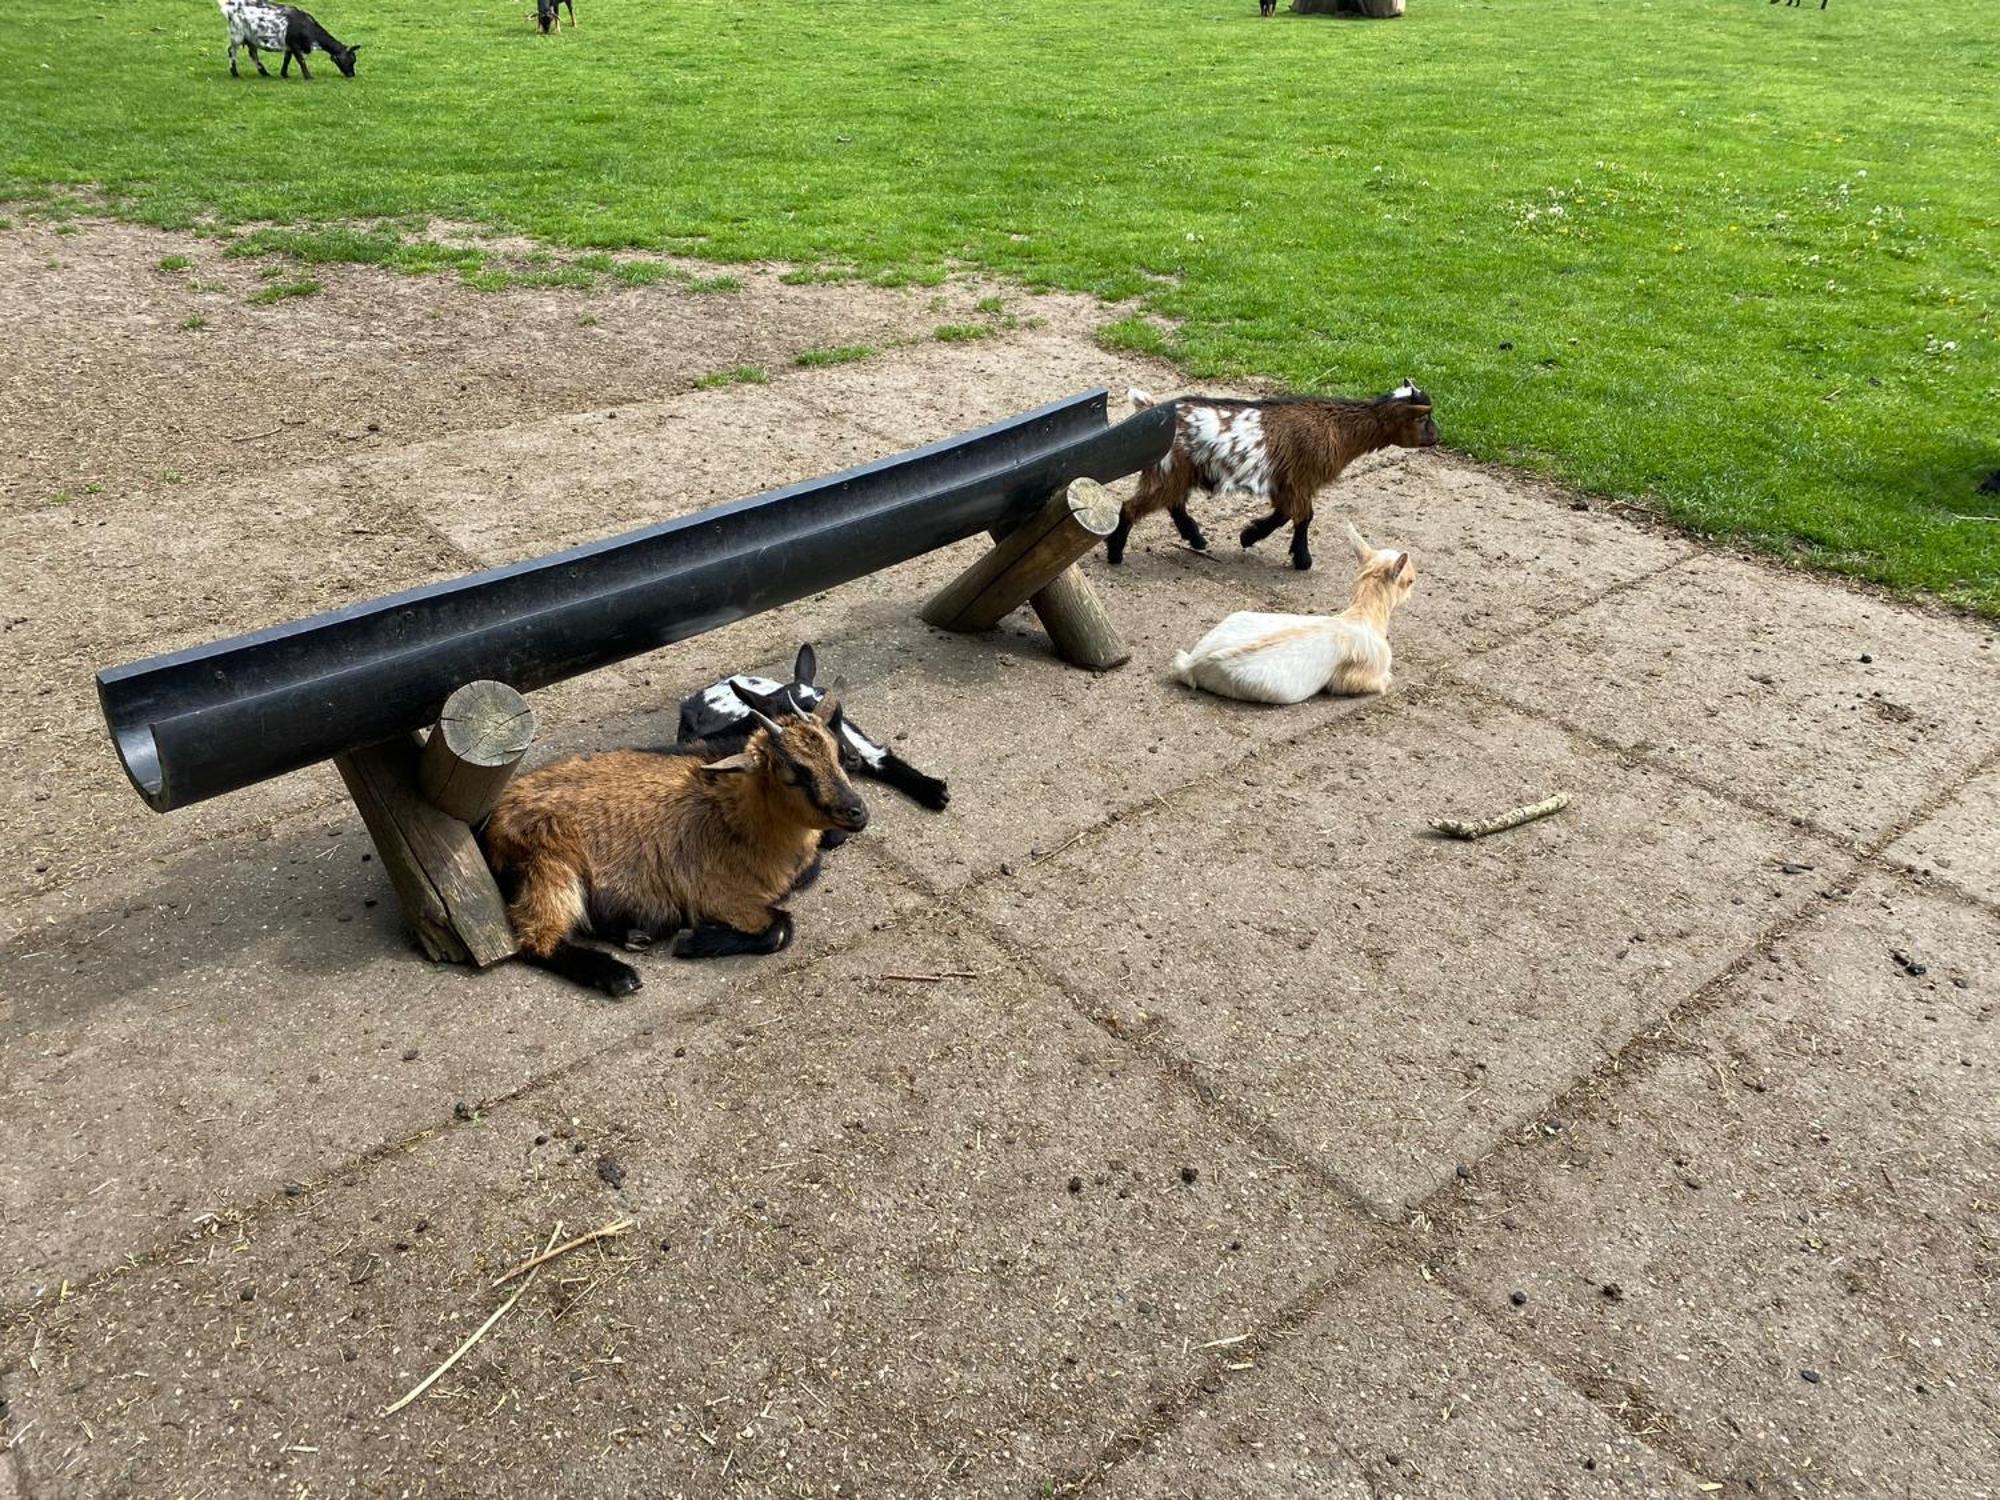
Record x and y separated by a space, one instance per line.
616 1226
939 977
484 1328
1458 828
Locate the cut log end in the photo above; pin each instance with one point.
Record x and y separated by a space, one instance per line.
484 730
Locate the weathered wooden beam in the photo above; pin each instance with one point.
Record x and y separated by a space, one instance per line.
441 878
1034 564
1078 624
472 750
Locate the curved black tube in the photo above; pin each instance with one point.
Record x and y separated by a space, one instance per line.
198 723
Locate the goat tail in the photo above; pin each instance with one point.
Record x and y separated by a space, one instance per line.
1184 667
1140 399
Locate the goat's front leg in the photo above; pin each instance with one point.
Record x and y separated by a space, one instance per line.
257 57
1114 545
1302 557
1262 527
719 940
232 61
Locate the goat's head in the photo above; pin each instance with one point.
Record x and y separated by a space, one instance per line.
343 58
1408 410
798 755
1385 571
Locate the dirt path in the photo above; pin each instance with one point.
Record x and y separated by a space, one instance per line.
1271 1146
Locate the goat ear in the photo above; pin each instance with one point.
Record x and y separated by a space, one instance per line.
806 666
733 766
768 704
829 704
1402 566
1361 549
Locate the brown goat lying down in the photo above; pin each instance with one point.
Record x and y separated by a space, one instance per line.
1282 451
633 845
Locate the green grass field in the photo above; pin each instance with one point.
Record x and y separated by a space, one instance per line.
1733 259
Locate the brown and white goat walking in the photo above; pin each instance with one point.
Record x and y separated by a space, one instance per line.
636 844
1282 451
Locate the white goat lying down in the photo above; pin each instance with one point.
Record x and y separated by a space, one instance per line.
1288 658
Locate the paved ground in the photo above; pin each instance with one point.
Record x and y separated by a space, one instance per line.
1233 1138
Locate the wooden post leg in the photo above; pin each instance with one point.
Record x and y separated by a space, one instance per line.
1034 563
442 881
1079 626
485 729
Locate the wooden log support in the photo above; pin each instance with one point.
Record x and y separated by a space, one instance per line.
485 729
1034 564
441 878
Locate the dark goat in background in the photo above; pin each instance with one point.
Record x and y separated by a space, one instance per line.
547 18
720 719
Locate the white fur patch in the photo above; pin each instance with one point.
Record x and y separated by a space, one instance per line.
254 24
1226 446
1406 389
721 699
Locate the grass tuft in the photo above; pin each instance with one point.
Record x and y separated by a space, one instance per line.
846 354
741 375
279 291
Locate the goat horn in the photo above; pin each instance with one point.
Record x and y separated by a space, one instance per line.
768 722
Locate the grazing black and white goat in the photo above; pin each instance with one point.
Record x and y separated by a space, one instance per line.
547 18
718 717
1267 7
263 27
1282 451
1822 3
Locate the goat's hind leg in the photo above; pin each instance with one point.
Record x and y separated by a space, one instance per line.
1262 527
546 912
719 940
592 968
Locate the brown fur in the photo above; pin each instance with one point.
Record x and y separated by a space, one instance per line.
1308 443
645 842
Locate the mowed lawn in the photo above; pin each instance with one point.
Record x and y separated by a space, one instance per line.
1734 259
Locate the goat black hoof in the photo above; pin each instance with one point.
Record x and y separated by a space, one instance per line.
1251 536
1198 542
625 981
1302 562
1116 557
638 940
778 936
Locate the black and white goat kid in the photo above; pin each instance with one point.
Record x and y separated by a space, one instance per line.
719 717
263 27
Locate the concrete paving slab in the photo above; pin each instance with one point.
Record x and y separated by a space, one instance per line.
1495 556
1776 1238
1350 1405
1392 1002
1815 701
1961 840
894 1238
253 1014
